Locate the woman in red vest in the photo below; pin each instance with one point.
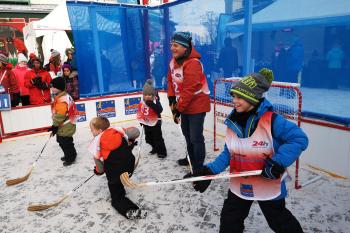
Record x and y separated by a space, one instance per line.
188 95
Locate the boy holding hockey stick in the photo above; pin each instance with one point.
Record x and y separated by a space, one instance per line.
256 138
112 149
64 120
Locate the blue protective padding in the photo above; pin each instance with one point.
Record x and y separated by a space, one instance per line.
330 21
119 46
326 117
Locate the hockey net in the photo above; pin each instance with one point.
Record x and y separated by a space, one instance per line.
286 99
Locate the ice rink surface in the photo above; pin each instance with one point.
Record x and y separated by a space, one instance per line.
323 206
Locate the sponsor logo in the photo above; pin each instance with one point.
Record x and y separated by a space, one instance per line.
106 108
131 105
262 144
81 113
247 190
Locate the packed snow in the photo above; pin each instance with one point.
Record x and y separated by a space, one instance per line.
322 206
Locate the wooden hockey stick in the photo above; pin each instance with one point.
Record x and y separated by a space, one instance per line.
124 177
185 145
139 149
24 178
41 207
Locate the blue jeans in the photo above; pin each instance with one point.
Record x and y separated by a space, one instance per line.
192 128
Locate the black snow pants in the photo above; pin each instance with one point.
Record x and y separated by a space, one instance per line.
236 209
67 145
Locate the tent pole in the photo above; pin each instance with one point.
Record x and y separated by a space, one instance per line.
247 44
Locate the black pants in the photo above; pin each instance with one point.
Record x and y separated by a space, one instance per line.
192 128
236 209
15 99
154 137
119 201
25 100
67 145
119 161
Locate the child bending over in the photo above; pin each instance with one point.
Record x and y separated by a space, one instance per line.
112 149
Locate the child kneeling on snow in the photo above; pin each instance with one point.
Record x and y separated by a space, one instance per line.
148 114
63 120
112 149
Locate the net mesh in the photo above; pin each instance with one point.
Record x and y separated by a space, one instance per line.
285 97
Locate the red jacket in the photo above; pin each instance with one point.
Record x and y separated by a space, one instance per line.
20 73
36 95
110 140
190 101
8 80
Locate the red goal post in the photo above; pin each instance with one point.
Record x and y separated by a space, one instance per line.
285 97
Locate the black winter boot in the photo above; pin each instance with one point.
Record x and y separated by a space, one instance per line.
183 162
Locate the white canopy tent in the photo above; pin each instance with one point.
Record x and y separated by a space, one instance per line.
53 29
289 13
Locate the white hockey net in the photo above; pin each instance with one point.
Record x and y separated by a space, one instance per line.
285 97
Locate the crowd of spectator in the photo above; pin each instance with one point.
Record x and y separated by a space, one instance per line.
28 81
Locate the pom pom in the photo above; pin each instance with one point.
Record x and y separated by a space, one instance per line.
268 74
149 81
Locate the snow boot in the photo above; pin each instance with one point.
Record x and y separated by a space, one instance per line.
136 214
183 162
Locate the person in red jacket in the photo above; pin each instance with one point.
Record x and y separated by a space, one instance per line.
112 149
38 81
20 71
188 95
8 80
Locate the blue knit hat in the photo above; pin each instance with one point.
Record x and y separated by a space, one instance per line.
182 38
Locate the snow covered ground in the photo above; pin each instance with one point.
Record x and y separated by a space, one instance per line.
323 206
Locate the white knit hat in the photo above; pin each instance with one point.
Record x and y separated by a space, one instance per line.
21 57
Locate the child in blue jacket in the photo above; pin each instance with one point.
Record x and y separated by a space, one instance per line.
256 138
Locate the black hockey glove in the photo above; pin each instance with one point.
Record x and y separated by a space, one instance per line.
43 86
97 172
53 129
200 186
37 82
149 103
176 117
172 100
272 170
132 143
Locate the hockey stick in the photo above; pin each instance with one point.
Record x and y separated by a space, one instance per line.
139 149
124 177
41 207
24 178
184 142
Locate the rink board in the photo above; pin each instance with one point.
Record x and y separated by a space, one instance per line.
329 148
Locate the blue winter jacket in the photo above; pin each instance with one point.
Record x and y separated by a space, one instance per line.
288 141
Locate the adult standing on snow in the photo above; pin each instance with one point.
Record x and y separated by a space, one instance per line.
188 95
